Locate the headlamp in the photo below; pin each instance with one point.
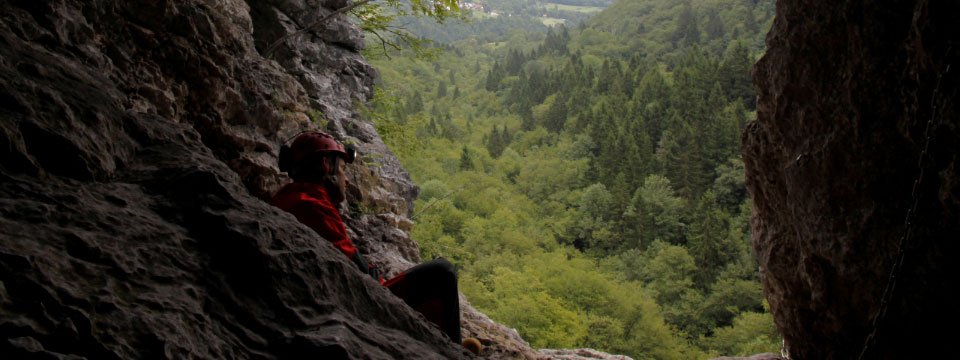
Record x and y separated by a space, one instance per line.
351 154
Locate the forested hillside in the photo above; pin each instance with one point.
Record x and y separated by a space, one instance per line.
587 180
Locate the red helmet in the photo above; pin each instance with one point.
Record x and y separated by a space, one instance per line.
309 143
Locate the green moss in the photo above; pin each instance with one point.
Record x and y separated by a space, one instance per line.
317 117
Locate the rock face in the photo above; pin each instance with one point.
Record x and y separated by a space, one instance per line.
851 94
138 142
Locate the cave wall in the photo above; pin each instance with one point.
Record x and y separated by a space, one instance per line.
138 140
850 94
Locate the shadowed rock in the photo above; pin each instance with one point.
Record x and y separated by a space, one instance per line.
835 160
137 143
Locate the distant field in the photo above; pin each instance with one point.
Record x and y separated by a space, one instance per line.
582 9
551 21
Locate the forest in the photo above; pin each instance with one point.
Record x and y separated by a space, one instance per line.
586 178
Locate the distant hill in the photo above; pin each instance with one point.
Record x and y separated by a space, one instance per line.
658 28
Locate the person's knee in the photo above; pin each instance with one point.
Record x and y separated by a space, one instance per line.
444 266
442 272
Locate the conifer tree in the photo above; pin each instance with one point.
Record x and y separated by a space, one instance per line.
714 133
714 27
415 104
681 158
710 244
527 122
687 32
640 151
556 115
750 22
734 75
432 128
729 186
607 77
497 141
514 62
732 119
556 41
441 89
494 75
448 129
652 100
466 159
602 129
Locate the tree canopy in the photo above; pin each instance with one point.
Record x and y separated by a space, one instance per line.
586 180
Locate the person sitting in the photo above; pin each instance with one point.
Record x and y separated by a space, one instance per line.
317 164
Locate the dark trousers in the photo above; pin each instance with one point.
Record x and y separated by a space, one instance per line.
431 289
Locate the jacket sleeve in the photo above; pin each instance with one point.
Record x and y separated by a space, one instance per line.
325 220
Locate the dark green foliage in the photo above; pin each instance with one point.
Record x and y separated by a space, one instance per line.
688 32
497 141
494 76
523 110
466 159
656 213
514 62
710 241
414 104
556 115
736 290
441 89
556 41
714 27
449 129
734 74
729 187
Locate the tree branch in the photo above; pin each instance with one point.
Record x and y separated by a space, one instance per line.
436 200
383 44
314 25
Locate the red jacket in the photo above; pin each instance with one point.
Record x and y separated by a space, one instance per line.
311 205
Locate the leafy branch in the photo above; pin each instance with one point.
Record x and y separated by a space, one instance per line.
376 19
